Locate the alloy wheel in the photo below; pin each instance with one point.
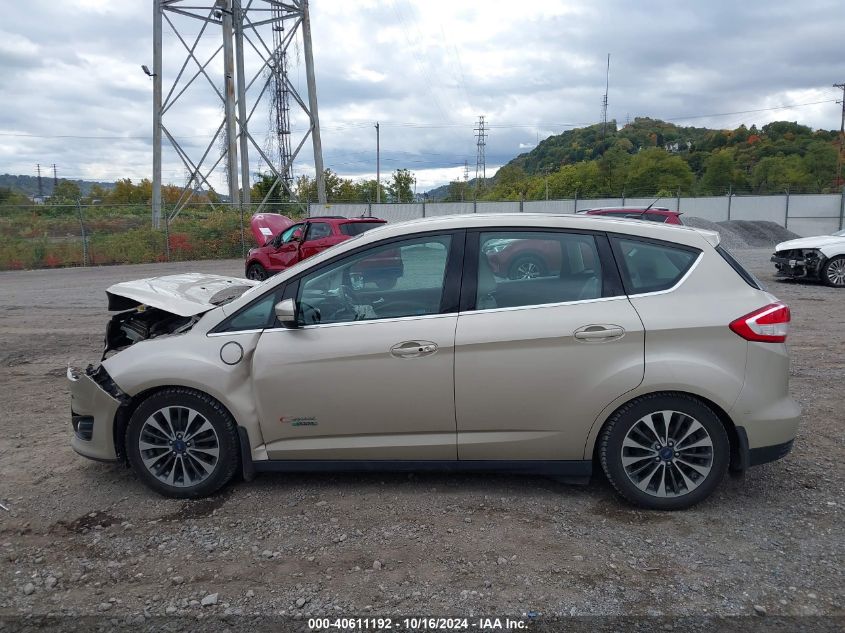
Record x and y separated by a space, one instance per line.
667 454
836 272
179 446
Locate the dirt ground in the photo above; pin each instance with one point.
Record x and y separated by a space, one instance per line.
81 537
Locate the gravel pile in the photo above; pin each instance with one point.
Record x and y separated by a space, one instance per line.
743 234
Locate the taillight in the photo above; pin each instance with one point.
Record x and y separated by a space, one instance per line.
766 325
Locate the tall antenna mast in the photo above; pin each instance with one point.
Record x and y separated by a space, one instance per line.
480 161
604 100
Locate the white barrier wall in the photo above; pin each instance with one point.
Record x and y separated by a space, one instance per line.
808 214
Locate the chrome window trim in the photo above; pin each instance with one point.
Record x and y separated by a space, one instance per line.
534 306
677 285
233 332
314 326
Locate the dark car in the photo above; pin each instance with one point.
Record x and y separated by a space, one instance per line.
283 243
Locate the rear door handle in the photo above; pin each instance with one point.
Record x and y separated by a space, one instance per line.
413 349
599 332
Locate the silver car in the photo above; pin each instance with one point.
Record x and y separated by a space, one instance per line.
642 349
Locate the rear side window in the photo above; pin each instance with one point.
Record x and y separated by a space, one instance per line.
356 228
656 217
651 267
747 277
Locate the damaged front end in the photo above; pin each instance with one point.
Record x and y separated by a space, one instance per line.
141 324
799 263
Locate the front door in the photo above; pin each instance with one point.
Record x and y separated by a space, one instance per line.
369 374
539 355
286 253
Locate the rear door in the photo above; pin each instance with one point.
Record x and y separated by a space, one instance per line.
537 359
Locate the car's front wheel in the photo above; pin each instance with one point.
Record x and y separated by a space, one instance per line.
526 267
833 273
256 272
182 443
664 451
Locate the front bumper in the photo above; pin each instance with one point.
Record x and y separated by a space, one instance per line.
797 265
93 412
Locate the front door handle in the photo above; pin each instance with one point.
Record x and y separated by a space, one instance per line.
413 349
599 333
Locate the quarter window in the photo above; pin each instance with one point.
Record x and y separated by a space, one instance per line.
651 267
399 279
520 268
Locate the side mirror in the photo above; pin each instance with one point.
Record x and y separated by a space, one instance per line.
286 313
297 235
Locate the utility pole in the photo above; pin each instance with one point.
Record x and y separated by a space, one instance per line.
480 160
378 165
40 185
841 136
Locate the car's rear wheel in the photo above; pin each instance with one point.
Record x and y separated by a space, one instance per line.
182 443
256 272
526 267
664 451
833 273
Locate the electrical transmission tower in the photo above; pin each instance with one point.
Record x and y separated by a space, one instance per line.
480 161
604 99
55 178
40 185
236 50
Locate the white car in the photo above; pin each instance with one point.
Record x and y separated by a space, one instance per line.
819 257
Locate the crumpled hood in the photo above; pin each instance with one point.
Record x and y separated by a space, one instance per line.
186 295
810 242
266 226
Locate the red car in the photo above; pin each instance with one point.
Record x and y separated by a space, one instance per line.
651 214
283 243
527 259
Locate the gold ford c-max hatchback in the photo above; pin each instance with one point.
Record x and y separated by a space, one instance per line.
530 343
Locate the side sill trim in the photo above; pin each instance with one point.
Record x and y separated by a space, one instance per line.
579 469
766 454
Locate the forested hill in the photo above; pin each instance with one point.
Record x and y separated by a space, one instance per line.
650 157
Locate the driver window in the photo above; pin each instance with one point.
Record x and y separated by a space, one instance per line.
288 234
399 279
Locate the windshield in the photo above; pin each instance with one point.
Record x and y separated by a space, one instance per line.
356 228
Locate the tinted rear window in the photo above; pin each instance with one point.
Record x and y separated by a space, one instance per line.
356 228
651 267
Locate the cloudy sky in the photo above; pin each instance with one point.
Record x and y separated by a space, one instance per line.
73 93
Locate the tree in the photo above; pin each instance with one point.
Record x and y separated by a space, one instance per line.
458 191
654 169
65 192
400 187
774 174
820 165
718 175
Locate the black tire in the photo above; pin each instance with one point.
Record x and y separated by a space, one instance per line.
256 272
225 433
526 267
833 272
623 420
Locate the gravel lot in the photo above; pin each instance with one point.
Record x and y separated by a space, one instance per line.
86 538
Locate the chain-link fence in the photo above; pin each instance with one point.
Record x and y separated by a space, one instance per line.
60 235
